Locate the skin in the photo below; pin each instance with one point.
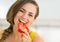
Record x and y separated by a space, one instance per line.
26 14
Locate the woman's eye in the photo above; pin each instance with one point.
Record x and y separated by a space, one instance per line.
21 11
30 15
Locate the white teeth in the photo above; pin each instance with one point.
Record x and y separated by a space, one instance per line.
22 21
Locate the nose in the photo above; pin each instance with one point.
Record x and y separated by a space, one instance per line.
25 15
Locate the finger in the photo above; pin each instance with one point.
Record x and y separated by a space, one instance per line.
24 39
25 36
26 32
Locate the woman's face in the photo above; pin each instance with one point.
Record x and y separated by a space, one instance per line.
26 14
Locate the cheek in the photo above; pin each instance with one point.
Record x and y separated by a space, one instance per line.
31 20
16 19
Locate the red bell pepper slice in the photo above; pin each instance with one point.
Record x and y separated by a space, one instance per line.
24 26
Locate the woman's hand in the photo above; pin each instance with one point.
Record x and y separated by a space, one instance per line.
25 37
24 31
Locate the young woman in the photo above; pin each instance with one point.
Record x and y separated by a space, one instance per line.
25 11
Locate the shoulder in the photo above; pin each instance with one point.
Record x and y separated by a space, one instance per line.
37 37
1 32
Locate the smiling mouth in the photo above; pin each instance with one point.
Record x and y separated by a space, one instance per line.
20 20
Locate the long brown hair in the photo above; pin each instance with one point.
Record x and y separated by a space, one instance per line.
12 13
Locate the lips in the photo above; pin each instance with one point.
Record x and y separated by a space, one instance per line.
23 20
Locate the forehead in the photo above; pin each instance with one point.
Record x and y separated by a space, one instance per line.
30 7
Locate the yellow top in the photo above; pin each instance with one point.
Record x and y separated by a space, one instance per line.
32 34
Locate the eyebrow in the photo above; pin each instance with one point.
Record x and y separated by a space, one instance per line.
25 10
30 12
